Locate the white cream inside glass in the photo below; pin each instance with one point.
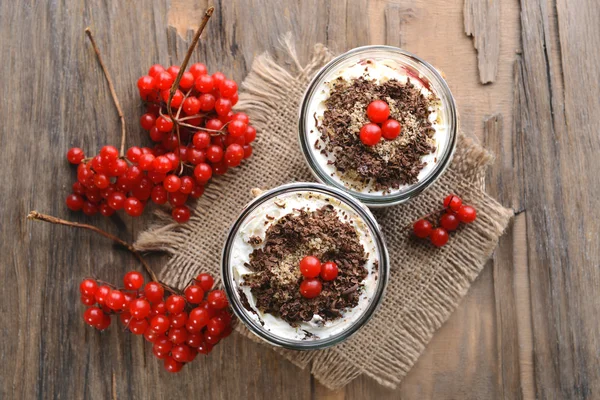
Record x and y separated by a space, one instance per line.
380 70
254 225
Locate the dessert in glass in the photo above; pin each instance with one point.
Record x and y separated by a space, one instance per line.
379 123
264 274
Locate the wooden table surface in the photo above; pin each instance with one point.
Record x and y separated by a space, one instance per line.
529 326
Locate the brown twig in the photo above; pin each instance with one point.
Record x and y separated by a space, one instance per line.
111 87
188 55
36 216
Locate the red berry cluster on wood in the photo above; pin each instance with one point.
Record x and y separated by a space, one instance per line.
311 269
179 326
455 212
378 113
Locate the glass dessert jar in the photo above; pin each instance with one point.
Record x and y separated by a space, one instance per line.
261 272
334 109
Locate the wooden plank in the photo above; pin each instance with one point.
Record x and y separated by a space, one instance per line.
482 22
558 142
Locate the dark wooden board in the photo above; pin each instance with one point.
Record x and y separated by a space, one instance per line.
528 326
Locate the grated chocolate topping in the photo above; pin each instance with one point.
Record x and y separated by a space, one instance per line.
275 281
390 163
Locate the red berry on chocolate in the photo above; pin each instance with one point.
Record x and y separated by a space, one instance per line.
310 267
378 111
205 281
467 214
133 280
217 300
75 155
422 228
370 134
453 202
449 222
439 237
154 292
390 129
310 288
329 271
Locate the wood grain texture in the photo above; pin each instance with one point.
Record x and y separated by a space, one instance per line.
528 326
482 22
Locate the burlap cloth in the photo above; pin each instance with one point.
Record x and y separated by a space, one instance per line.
426 283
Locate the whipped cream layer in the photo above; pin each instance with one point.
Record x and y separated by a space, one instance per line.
380 71
270 212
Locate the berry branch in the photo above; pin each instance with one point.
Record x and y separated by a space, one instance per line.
36 216
188 55
111 87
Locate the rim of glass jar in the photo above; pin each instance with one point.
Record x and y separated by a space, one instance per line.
230 286
377 201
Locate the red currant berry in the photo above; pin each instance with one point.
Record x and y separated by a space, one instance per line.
158 308
133 280
162 164
138 326
439 237
223 106
211 339
234 155
237 128
176 100
191 106
162 345
164 123
197 191
175 304
214 124
102 294
194 340
310 288
133 207
160 323
116 300
74 202
197 319
134 153
156 69
250 134
145 84
247 151
181 353
194 294
215 326
87 300
241 117
172 183
214 153
75 155
207 102
178 335
422 228
370 134
93 316
453 202
139 308
228 88
449 222
89 208
179 320
467 214
204 83
390 129
181 214
156 135
205 281
329 271
205 348
145 162
105 323
151 336
159 195
88 287
198 69
147 121
78 188
187 80
163 81
378 111
154 292
196 157
174 71
105 210
171 365
177 199
310 267
217 300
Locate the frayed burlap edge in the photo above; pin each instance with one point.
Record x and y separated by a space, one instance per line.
266 84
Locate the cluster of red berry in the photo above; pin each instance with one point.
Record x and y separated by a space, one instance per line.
378 113
311 268
180 326
197 135
455 213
